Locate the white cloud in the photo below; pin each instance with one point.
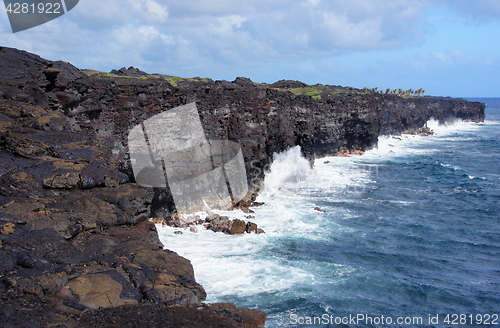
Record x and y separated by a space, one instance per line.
442 57
202 37
226 25
258 29
347 34
150 11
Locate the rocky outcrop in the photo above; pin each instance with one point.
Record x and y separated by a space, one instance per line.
263 118
76 245
218 223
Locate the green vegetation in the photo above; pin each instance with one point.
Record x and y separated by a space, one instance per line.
313 92
406 93
317 91
173 80
98 74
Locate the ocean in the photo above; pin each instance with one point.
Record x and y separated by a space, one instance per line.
406 235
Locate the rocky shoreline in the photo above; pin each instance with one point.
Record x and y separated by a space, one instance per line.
77 246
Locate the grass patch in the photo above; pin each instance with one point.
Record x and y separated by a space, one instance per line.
311 92
173 80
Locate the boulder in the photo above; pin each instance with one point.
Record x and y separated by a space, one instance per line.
251 227
237 227
247 210
220 224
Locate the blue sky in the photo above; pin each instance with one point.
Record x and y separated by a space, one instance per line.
447 47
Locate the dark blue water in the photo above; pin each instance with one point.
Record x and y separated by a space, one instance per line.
411 234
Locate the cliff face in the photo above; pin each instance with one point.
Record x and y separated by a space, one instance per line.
74 233
263 118
66 176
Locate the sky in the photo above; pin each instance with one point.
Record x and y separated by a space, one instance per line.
447 47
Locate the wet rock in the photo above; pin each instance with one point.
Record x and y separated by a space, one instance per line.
319 210
212 217
237 227
250 226
247 210
220 224
223 224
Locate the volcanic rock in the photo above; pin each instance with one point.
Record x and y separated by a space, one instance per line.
74 225
237 227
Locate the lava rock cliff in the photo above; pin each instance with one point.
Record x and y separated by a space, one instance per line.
76 246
